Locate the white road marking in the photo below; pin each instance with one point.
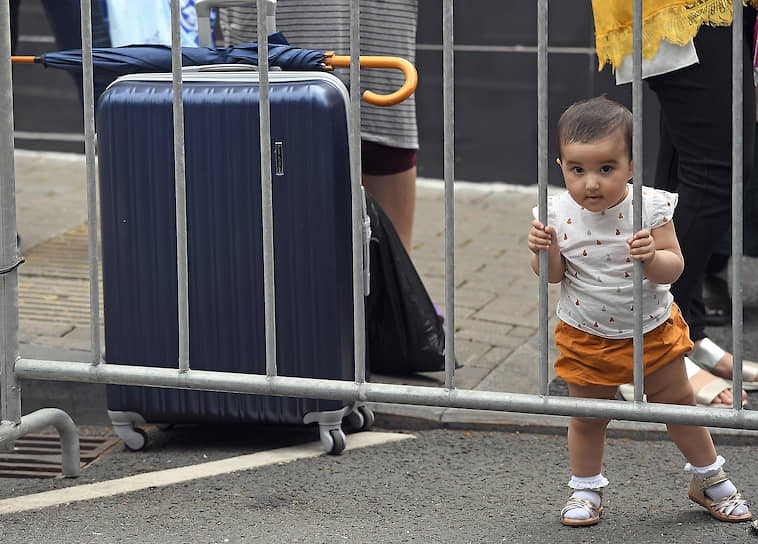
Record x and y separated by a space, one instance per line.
172 476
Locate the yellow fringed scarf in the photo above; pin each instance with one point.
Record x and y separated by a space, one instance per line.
677 21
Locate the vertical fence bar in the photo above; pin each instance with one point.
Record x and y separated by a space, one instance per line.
89 154
10 392
737 211
267 206
542 172
448 92
180 184
637 194
354 144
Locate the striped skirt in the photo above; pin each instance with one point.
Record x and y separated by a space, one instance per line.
388 27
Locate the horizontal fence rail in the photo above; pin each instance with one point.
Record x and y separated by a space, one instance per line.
379 392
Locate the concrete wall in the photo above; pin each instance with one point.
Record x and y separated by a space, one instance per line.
496 86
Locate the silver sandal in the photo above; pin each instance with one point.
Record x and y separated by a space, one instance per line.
574 503
721 508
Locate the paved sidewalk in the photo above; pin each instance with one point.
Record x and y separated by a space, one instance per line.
496 293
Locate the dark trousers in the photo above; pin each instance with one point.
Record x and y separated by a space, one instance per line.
695 155
64 19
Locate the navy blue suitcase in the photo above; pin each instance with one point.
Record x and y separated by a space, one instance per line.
312 244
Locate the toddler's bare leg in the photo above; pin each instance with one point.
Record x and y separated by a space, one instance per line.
586 436
586 441
670 385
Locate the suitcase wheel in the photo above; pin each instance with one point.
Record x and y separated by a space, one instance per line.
334 441
124 424
134 439
360 419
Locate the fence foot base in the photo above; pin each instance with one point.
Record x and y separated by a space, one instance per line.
39 420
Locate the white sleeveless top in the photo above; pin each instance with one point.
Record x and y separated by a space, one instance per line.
668 58
597 293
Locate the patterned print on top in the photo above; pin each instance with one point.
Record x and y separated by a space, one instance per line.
598 266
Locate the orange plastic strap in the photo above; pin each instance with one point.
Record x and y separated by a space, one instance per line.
411 76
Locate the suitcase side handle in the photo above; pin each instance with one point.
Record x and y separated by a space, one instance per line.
332 61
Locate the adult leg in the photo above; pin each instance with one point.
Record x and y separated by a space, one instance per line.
396 193
696 114
389 174
695 161
667 178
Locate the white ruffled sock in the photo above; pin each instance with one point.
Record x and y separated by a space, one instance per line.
583 487
718 491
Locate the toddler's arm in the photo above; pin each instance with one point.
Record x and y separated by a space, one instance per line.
659 251
543 238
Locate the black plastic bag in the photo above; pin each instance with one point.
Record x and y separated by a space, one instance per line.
404 334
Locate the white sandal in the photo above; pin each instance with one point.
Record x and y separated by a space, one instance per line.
708 393
707 354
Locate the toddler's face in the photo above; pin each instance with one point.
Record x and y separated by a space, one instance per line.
596 173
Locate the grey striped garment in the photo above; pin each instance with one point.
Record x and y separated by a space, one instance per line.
388 27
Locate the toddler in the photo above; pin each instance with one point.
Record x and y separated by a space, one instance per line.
591 248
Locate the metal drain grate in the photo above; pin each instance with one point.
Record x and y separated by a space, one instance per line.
39 455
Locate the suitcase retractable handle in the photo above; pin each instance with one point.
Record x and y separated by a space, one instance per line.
332 61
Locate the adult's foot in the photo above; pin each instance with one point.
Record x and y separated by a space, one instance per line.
702 380
709 390
709 356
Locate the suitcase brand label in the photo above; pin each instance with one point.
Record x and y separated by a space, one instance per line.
279 158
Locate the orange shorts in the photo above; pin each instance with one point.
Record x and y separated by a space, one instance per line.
587 359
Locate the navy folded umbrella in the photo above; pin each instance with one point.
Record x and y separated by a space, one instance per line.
112 62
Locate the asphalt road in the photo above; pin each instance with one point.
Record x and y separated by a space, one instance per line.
445 485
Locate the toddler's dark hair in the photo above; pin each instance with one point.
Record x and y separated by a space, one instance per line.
594 119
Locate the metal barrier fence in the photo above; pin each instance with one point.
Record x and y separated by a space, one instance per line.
13 368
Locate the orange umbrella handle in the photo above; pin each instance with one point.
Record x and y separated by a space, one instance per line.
411 76
15 59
